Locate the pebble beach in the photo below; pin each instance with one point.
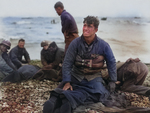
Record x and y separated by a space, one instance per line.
29 97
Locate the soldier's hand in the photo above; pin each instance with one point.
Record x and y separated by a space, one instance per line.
118 82
60 64
67 86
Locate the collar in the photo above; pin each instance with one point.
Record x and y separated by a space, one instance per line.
63 12
94 41
19 47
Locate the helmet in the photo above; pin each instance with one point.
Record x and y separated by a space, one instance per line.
7 43
45 43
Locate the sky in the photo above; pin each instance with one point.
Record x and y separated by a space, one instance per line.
78 8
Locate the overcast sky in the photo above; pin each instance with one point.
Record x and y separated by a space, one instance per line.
78 8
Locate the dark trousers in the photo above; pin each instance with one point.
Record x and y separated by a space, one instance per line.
84 91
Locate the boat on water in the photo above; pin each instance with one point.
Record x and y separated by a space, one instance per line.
104 18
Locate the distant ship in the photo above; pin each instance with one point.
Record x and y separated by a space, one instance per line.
137 17
104 18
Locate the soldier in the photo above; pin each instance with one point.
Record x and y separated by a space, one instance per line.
8 71
17 53
79 86
51 58
131 75
69 27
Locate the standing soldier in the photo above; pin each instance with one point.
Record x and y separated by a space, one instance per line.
69 27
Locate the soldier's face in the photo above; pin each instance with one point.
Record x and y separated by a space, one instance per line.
45 47
21 44
59 10
89 30
3 48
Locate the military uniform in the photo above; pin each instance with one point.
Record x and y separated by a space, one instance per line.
16 55
8 71
131 74
51 60
87 85
69 28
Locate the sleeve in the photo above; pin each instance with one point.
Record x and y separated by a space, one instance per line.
4 67
9 62
111 63
58 58
69 61
43 61
14 59
66 21
26 56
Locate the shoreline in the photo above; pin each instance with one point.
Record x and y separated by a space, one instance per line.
122 51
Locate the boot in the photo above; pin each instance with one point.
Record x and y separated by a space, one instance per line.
57 110
65 107
51 104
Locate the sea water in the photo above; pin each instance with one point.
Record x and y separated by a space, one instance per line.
128 37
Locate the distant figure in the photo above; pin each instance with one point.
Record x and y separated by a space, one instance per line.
8 71
17 53
53 21
51 59
69 27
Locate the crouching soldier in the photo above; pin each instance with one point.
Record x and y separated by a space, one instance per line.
131 75
8 71
51 59
17 53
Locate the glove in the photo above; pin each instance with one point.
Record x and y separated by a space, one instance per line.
111 86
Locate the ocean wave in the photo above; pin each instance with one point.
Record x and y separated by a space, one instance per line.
27 18
22 22
130 21
11 38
